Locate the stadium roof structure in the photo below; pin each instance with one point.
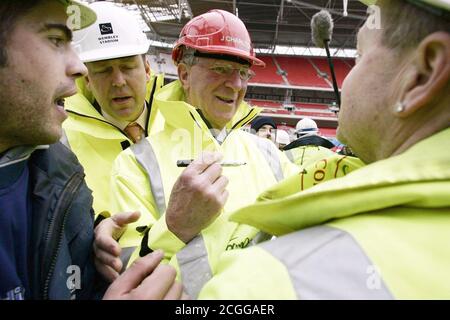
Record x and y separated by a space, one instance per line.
271 23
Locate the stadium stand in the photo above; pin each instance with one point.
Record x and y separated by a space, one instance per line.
300 72
267 75
341 68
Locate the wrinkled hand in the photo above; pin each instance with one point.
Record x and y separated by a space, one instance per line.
197 197
106 248
146 279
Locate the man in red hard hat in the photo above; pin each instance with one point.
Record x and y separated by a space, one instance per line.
185 211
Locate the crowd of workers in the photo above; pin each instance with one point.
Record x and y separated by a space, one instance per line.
92 190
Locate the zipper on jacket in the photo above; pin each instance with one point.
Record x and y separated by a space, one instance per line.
242 122
53 239
94 118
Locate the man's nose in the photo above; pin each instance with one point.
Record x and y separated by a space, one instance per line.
74 67
234 80
118 80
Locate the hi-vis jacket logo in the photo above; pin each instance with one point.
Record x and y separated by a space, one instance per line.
105 28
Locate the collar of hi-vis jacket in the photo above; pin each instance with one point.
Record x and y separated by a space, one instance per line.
93 123
170 101
417 178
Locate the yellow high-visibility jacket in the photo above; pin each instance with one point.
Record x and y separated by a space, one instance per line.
96 142
185 136
380 232
307 150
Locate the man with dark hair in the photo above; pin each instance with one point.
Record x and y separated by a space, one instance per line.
46 219
380 232
9 13
264 127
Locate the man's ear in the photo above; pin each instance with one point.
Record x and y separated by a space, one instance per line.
432 73
87 82
148 71
183 75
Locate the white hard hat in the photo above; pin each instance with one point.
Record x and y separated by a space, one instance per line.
282 137
115 34
306 126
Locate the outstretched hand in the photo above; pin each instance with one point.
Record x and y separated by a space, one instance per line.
147 279
106 248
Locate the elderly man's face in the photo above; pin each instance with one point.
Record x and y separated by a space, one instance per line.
40 71
216 93
369 94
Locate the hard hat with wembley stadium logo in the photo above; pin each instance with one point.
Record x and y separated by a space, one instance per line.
217 32
115 34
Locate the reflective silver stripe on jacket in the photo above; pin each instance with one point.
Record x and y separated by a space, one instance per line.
146 157
270 153
289 155
327 263
194 266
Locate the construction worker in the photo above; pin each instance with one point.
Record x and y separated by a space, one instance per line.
113 108
381 231
46 229
264 127
282 139
185 210
309 146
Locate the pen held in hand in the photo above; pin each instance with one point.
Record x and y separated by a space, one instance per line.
185 163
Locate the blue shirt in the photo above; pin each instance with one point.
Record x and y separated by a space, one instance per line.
15 222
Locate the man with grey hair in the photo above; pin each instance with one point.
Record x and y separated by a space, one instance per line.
185 210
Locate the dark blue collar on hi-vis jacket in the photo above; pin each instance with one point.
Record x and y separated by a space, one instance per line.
313 140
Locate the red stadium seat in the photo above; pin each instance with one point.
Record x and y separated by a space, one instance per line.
301 73
267 75
341 68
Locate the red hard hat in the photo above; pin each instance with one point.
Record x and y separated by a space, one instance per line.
217 32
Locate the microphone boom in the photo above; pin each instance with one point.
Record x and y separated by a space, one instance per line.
321 31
